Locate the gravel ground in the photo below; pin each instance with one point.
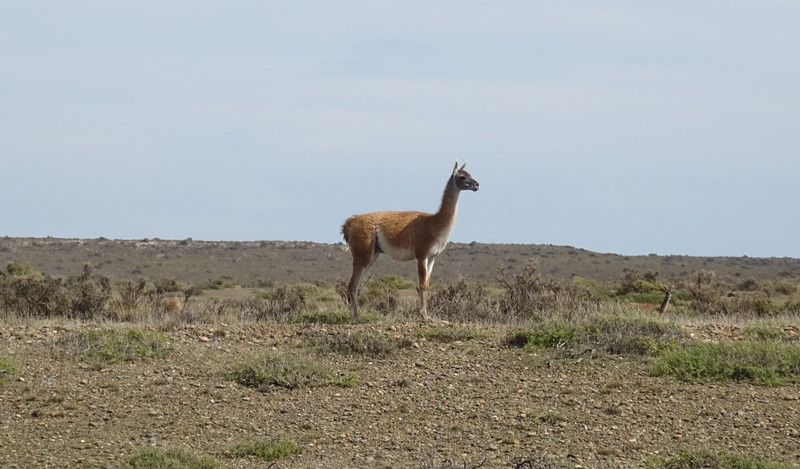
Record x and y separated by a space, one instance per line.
456 404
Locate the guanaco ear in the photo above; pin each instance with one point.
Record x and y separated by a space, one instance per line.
462 166
455 168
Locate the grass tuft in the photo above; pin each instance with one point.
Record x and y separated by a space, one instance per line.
766 363
7 367
624 333
705 459
275 369
454 333
168 459
109 346
371 344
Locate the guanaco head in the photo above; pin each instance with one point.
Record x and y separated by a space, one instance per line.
462 179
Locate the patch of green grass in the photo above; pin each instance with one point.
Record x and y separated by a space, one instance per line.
630 334
7 367
271 450
168 459
619 334
275 369
108 346
763 333
367 343
766 363
454 333
705 459
542 336
349 380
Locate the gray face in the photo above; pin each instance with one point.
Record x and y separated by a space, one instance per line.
464 181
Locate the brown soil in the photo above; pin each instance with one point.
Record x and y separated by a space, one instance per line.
455 404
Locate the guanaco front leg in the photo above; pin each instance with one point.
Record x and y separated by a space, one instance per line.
424 273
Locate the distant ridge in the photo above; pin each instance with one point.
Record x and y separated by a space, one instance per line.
246 262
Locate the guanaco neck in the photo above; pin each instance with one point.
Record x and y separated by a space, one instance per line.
449 207
665 303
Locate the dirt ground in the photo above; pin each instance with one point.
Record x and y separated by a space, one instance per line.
431 405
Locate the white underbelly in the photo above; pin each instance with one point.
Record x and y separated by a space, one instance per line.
398 253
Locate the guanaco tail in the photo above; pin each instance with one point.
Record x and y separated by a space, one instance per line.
404 236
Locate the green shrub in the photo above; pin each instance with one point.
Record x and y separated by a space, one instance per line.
108 346
706 459
266 451
593 289
19 269
273 369
454 333
553 335
767 363
627 334
634 282
631 334
168 459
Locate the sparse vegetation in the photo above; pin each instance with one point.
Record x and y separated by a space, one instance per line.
707 459
152 458
768 363
624 333
370 344
548 351
269 370
532 296
7 367
109 346
454 333
267 451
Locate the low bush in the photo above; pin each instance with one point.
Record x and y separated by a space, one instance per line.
529 295
769 363
269 370
465 302
40 297
454 333
621 334
109 346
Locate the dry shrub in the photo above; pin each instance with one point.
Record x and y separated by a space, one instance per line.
709 297
465 302
277 303
706 292
129 301
83 297
529 295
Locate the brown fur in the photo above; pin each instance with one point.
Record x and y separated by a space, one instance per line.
404 236
664 303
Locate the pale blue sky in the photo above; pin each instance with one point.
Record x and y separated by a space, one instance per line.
625 126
